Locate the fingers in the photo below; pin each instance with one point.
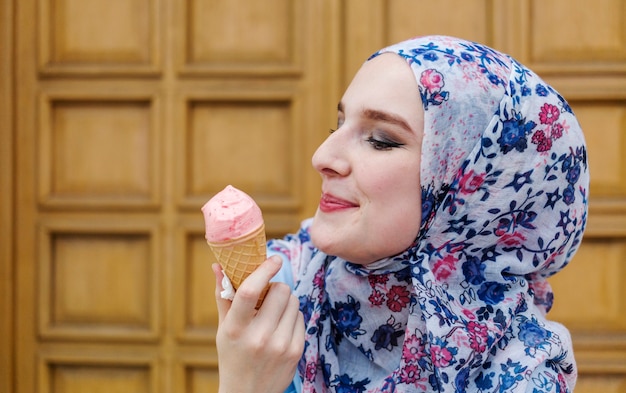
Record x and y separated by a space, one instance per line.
290 320
297 340
273 307
279 325
250 290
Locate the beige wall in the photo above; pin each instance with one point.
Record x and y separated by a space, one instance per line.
120 118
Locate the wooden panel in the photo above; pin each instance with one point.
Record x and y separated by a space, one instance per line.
98 280
240 36
225 145
196 371
364 32
373 24
602 361
7 210
409 18
602 226
100 370
601 370
77 36
98 152
80 378
604 123
568 36
197 287
601 383
114 289
589 295
247 141
201 379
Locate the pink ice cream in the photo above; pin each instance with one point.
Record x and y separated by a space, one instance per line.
230 214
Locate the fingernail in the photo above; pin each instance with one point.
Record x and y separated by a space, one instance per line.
277 259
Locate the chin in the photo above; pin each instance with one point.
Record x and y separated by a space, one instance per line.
322 239
318 237
330 246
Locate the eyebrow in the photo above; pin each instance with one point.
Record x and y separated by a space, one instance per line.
377 115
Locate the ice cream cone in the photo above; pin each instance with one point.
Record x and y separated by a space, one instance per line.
240 256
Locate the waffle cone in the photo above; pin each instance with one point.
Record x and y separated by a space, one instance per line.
241 256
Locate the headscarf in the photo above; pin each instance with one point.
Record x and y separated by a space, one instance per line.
504 204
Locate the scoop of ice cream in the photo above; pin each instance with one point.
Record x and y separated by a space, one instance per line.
230 214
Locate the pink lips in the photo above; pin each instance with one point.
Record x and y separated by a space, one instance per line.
330 203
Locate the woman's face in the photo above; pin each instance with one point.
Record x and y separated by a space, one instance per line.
370 206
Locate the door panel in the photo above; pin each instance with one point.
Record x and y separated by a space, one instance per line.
133 114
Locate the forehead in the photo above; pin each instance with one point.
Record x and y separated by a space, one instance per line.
386 70
385 84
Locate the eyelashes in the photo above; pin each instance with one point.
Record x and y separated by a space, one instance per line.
383 143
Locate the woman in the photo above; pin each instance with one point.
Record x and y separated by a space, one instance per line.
454 185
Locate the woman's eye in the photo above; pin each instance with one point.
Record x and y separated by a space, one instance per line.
382 144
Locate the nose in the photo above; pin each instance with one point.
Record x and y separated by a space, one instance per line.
331 157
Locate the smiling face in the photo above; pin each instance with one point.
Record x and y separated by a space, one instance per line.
370 166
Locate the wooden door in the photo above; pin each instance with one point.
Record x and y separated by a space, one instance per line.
121 117
130 114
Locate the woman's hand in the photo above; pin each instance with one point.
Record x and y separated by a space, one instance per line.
258 350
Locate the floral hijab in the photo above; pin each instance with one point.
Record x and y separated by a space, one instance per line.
504 204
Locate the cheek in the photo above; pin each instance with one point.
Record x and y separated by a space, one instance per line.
397 198
390 182
382 177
